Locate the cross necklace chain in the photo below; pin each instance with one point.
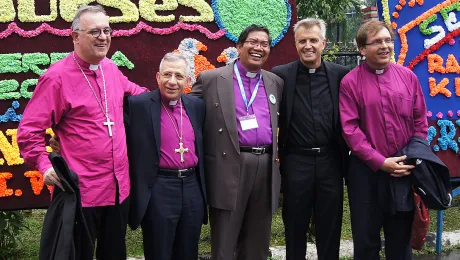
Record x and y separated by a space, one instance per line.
107 123
181 150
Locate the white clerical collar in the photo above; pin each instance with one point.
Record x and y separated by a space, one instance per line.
173 102
378 72
311 71
93 67
251 74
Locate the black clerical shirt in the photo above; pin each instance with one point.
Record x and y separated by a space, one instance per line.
312 110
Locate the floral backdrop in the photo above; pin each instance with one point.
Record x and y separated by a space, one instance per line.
36 33
427 43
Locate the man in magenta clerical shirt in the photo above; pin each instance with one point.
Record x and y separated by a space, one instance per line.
381 108
165 151
81 98
240 148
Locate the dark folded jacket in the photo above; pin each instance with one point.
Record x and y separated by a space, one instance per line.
430 177
64 228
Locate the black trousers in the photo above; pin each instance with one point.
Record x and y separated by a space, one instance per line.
107 225
371 209
312 184
172 222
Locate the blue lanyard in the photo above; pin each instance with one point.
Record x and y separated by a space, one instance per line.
243 93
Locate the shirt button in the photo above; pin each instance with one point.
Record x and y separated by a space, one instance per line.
220 130
224 153
150 186
216 104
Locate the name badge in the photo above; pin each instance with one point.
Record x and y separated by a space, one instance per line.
248 122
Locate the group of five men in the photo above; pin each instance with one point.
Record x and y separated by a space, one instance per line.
219 145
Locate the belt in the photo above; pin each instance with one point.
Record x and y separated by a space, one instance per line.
182 173
310 150
256 150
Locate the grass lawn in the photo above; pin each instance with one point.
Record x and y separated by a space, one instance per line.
30 239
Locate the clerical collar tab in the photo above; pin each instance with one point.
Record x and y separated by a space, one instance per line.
311 71
93 67
172 102
378 72
251 74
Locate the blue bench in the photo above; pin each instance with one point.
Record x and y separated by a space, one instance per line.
455 192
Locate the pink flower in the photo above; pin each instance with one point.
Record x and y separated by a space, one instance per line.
458 113
430 114
450 113
439 115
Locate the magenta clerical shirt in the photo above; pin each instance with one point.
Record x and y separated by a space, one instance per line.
263 134
64 101
381 112
170 140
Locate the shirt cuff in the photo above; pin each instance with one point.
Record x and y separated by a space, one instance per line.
376 161
44 164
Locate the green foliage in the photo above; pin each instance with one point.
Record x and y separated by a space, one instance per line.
11 223
330 53
331 11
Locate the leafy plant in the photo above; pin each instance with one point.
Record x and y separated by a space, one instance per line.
11 223
332 11
330 53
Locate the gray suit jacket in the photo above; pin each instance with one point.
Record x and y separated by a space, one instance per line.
220 135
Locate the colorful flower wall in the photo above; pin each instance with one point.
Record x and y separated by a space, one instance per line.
427 42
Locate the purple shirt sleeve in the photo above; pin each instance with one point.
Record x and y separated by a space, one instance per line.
45 108
352 133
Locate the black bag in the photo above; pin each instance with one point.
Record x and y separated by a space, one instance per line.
432 183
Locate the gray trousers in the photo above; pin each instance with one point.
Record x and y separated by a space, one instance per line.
245 232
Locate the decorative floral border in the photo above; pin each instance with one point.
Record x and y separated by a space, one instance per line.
425 16
435 62
44 27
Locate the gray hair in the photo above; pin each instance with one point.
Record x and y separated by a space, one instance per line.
175 56
85 9
308 23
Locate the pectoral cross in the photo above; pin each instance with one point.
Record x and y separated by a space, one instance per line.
181 150
109 125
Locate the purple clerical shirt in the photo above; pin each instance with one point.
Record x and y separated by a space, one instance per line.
263 134
170 140
64 101
381 112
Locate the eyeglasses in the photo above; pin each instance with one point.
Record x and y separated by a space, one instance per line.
170 75
379 42
97 32
253 43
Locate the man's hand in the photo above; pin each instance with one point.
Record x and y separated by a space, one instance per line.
395 166
54 143
50 178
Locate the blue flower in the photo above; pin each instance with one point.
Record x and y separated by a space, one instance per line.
431 134
15 104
